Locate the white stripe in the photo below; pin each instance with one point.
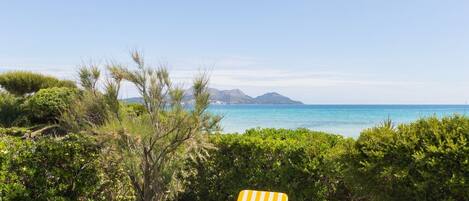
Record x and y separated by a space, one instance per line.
280 196
262 196
245 196
253 197
271 196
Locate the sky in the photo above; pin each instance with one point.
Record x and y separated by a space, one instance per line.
318 52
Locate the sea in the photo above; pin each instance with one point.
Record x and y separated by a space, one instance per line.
346 120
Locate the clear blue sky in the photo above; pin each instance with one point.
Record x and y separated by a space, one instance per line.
400 51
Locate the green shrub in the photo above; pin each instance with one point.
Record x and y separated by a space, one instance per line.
424 160
11 186
11 112
136 109
22 82
49 168
48 104
304 164
14 131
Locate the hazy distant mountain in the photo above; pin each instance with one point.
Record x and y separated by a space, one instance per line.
133 100
274 98
235 96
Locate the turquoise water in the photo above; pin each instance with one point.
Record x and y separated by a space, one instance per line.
347 120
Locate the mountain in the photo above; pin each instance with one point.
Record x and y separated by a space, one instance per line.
274 98
234 96
133 100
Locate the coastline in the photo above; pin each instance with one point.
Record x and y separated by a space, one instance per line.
347 120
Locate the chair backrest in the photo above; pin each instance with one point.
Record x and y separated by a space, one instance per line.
250 195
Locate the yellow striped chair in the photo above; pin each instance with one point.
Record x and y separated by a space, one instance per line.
250 195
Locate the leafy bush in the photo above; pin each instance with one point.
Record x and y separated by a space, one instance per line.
48 104
136 109
304 164
11 112
22 82
14 131
424 160
49 168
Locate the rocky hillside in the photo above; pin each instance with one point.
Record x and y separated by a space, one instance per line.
236 96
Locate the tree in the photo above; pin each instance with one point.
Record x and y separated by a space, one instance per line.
91 108
21 83
155 144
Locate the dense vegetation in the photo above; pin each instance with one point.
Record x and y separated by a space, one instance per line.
48 168
65 141
304 164
424 160
22 83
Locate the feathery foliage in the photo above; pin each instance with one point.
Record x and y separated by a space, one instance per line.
156 143
91 107
21 83
89 77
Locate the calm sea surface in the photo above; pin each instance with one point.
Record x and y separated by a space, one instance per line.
347 120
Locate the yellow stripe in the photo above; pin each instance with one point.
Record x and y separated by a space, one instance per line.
275 196
280 197
261 197
245 197
285 197
249 196
254 195
271 196
241 195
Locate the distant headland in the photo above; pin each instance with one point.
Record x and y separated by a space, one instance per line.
235 96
